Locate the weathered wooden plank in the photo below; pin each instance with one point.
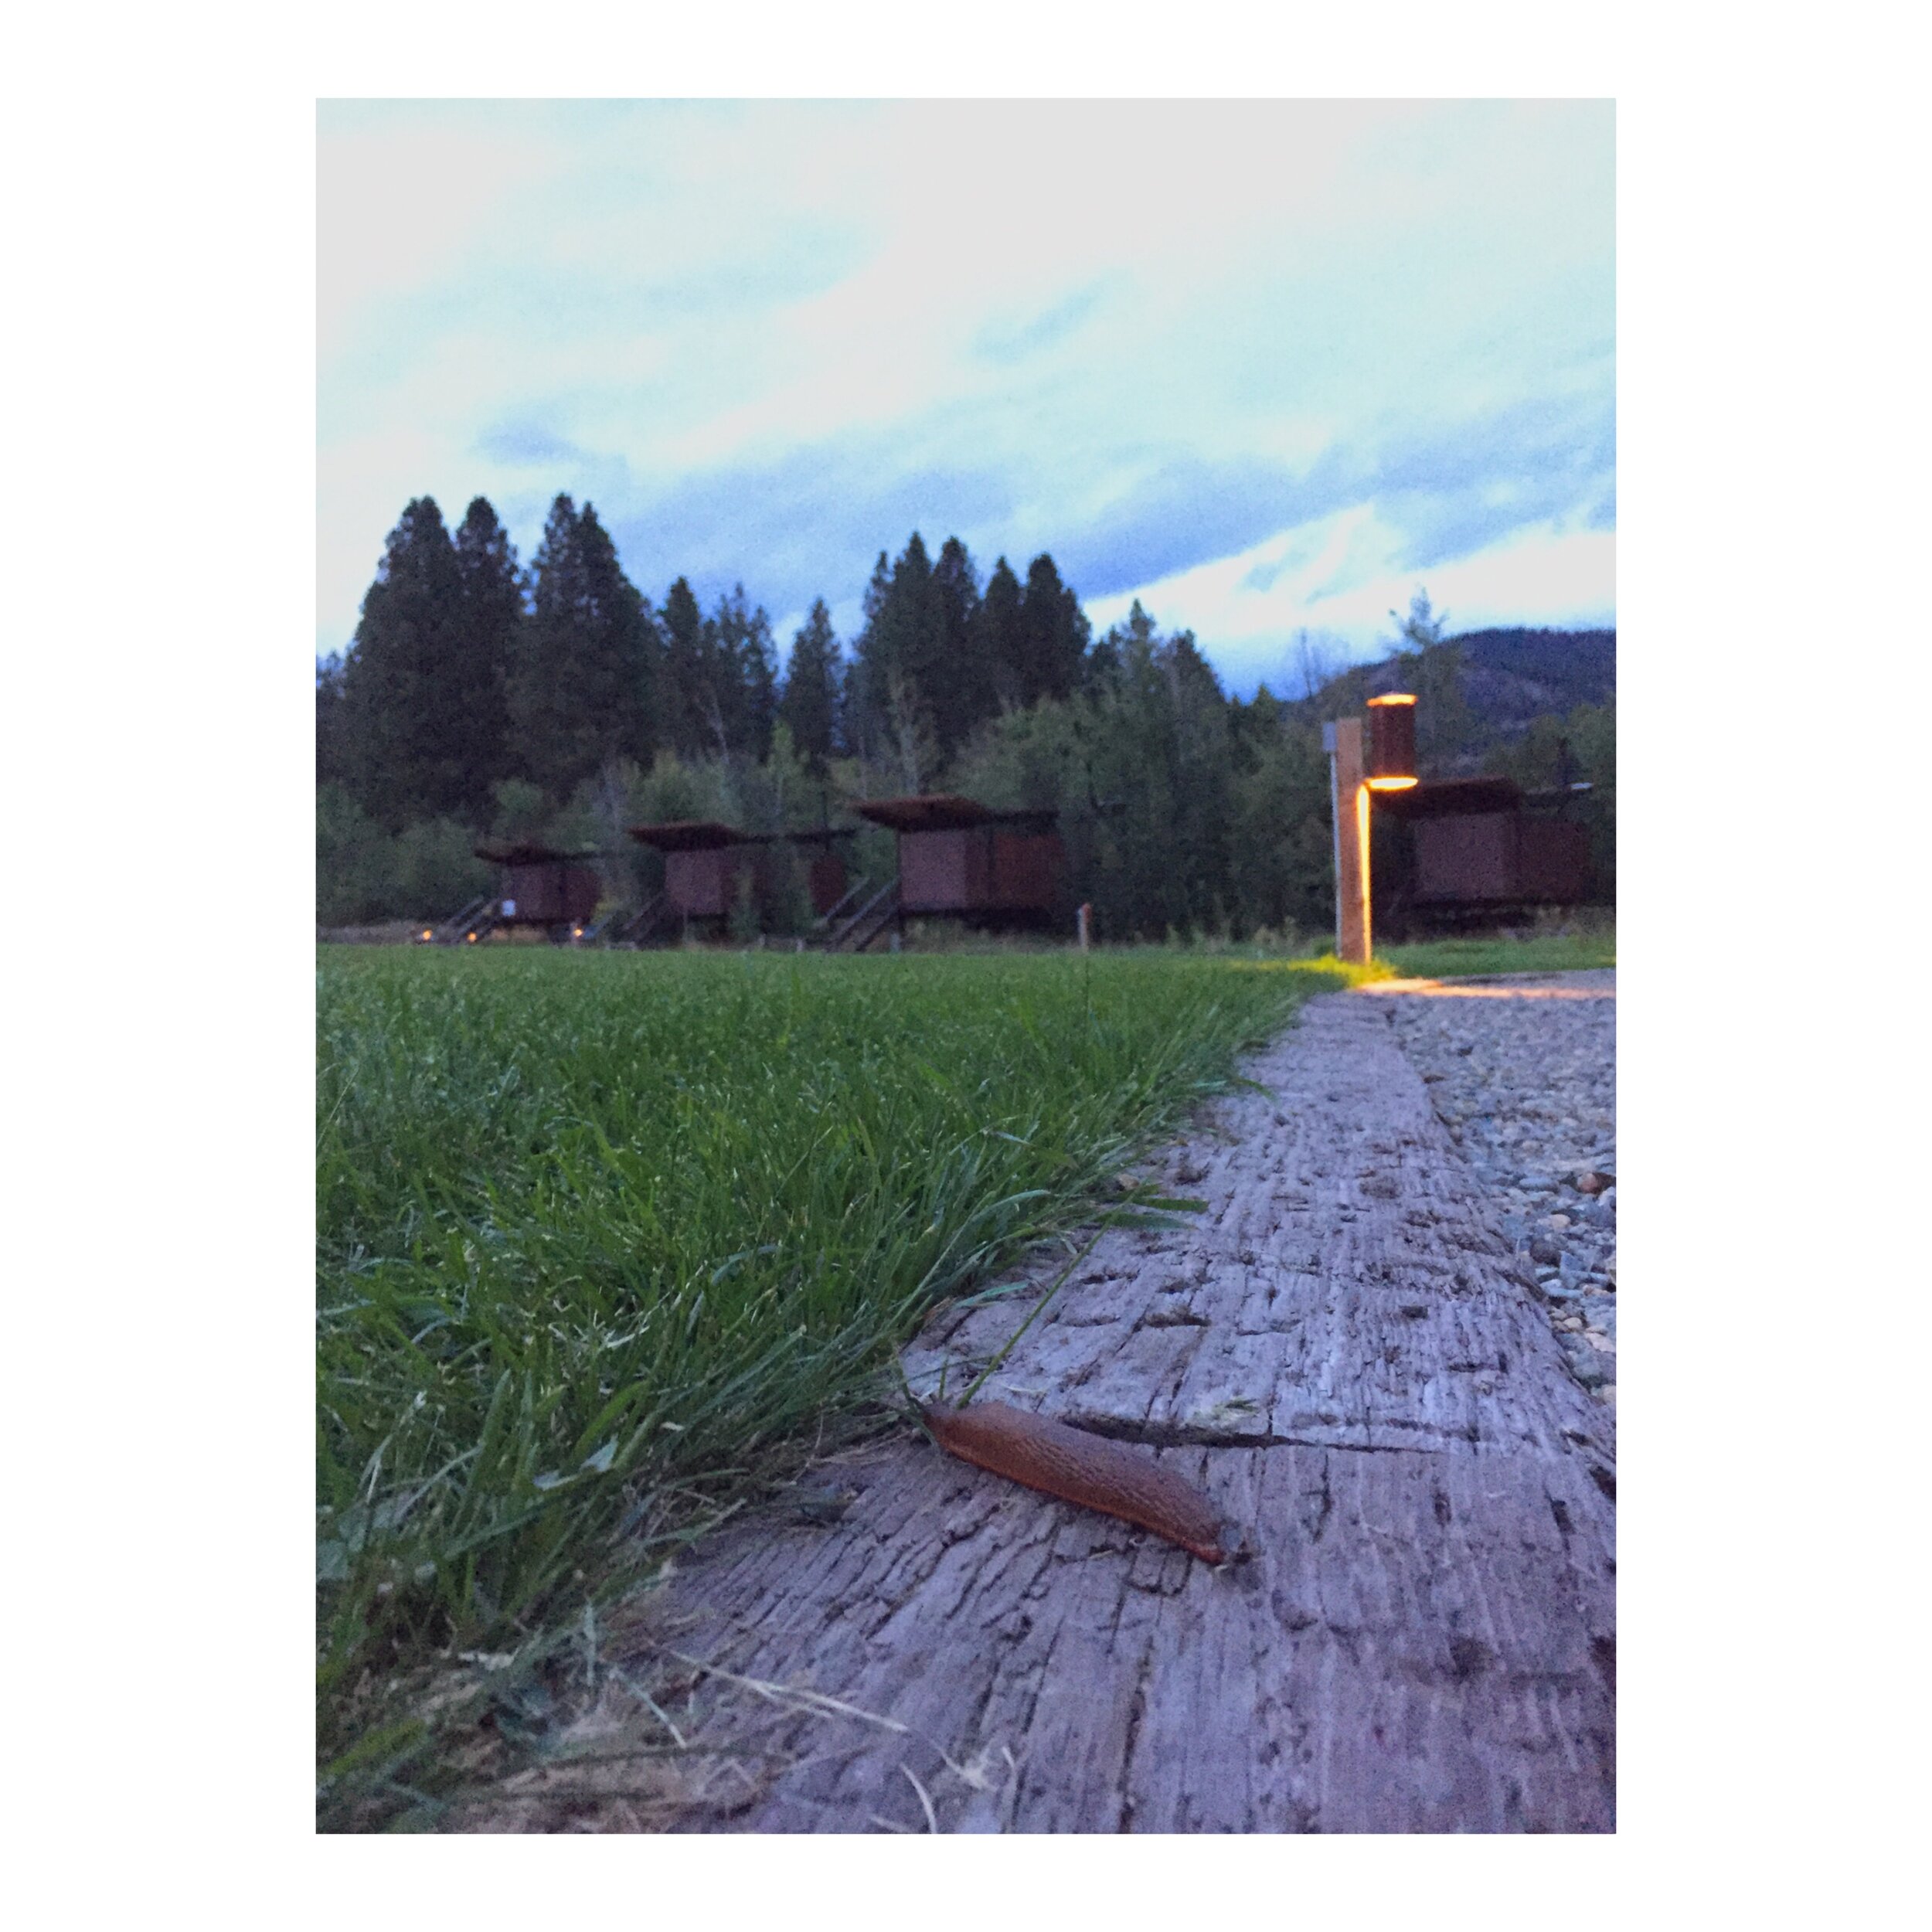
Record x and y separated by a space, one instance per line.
1338 1352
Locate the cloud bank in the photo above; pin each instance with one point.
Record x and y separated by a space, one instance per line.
1264 366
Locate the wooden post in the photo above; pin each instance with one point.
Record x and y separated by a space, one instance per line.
1085 922
1350 793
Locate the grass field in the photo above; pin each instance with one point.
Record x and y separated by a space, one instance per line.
602 1236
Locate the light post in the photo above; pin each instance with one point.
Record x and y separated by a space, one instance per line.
1389 766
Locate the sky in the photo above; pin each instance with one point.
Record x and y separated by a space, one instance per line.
1267 366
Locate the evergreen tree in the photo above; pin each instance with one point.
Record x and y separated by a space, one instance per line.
403 677
332 723
921 680
861 704
1002 637
1160 757
739 693
809 705
1056 633
956 674
894 659
580 694
686 676
1428 663
492 619
758 661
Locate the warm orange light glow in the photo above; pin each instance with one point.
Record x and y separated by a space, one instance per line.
427 934
1395 697
471 937
1390 784
1362 852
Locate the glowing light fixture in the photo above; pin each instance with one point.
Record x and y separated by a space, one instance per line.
1392 742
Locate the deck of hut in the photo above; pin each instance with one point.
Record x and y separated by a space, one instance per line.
959 859
541 885
1477 846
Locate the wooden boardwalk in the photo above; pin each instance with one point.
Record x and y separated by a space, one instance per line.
1340 1351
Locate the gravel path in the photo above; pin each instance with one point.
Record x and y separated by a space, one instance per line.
1522 1072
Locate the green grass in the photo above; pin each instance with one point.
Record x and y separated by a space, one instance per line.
603 1237
1536 953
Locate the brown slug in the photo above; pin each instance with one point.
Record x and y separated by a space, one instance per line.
1086 1469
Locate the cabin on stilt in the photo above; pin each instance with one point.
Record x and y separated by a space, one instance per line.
1481 848
538 886
960 859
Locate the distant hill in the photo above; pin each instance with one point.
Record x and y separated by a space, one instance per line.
1510 677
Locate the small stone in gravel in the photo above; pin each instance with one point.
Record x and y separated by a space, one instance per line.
1585 1365
1544 1250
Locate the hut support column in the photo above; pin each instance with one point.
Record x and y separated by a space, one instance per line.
1349 800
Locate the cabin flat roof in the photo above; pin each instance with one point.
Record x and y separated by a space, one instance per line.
1453 798
526 852
944 812
690 835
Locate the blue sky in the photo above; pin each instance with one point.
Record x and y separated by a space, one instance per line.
1267 365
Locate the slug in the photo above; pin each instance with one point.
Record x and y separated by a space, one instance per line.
1086 1469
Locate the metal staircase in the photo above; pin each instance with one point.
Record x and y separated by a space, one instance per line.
859 930
650 921
476 919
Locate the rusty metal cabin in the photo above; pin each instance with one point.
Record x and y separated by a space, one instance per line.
827 876
1477 848
541 886
960 859
703 864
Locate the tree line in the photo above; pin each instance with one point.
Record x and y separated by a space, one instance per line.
480 698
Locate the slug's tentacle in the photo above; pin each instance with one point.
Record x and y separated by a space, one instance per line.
1086 1469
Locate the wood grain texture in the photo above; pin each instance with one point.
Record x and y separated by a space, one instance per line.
1339 1355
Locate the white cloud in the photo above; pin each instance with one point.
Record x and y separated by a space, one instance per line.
1067 299
1342 575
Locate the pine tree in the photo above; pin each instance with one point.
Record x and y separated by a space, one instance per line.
580 692
758 662
403 677
686 678
809 705
332 727
1055 632
1002 637
957 674
1430 664
740 678
903 679
861 707
492 590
